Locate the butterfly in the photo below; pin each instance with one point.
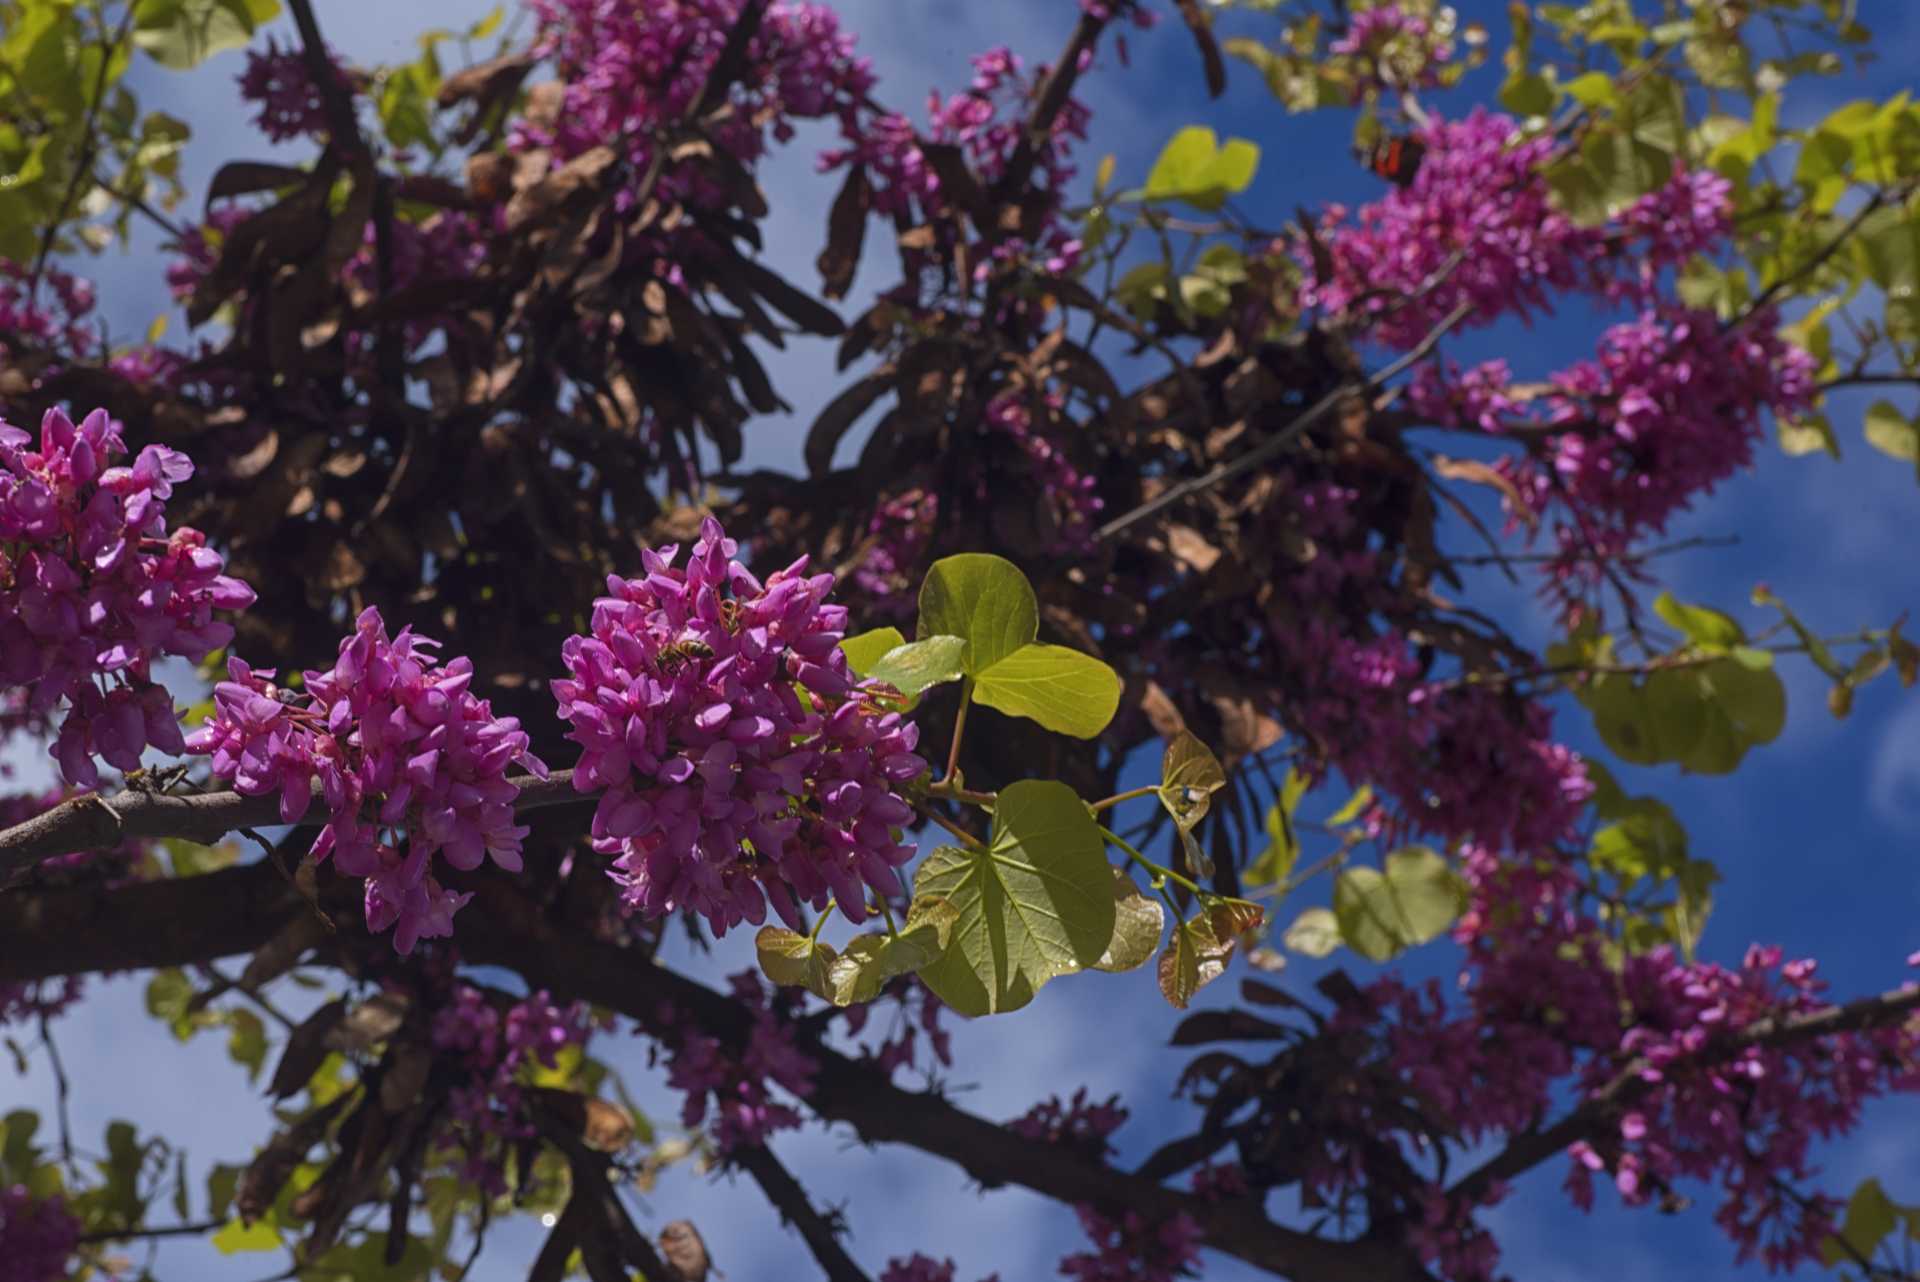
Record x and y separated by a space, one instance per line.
1396 159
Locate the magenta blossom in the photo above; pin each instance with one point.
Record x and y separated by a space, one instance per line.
405 755
738 760
94 588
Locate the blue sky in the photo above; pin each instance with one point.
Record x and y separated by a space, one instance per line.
1814 834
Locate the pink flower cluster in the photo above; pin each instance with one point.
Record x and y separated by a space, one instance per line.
735 1089
1130 1249
1461 761
94 589
1077 1124
1394 48
56 320
1068 492
900 530
738 760
28 1002
922 1268
1219 1181
487 1109
401 748
1477 225
900 1047
1671 406
985 122
630 70
1744 1121
198 249
290 102
37 1236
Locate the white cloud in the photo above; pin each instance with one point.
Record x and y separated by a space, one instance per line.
1894 786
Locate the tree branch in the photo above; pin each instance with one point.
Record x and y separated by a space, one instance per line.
1524 1152
341 122
93 822
1047 104
1286 435
791 1201
183 921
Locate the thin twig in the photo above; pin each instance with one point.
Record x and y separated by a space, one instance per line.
61 1087
171 1230
83 170
1286 435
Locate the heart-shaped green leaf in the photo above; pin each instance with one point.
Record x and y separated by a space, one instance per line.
985 601
1036 901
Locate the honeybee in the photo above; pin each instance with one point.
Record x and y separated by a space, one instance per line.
674 657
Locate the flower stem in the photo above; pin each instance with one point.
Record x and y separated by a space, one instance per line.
952 827
1167 874
959 728
1119 797
813 935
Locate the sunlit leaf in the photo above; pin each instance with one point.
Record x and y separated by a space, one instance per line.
1036 901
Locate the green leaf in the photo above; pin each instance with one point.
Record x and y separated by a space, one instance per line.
1192 959
222 1182
1362 798
125 1156
1871 1215
1275 864
1195 168
869 648
247 1041
922 664
869 961
1743 708
184 33
168 993
1137 923
985 600
1063 689
1646 841
1703 626
1527 94
1382 913
1893 433
795 961
1189 776
1035 902
1314 933
236 1237
1804 433
18 1152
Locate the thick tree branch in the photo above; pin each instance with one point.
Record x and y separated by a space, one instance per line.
180 922
1053 94
93 822
334 96
502 928
796 1209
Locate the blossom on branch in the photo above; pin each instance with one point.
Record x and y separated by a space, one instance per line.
405 755
94 588
37 1236
739 762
